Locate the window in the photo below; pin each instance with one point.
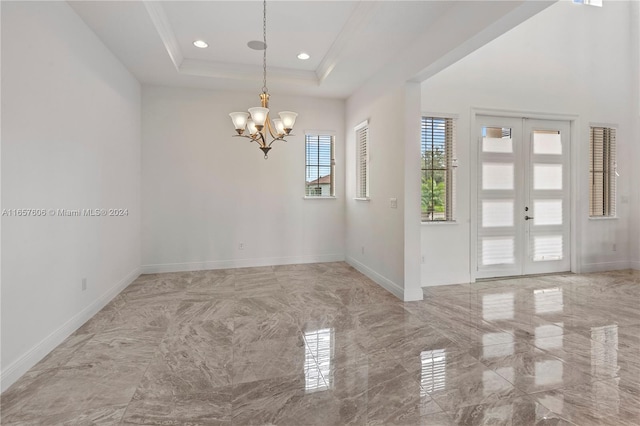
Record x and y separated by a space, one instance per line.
597 3
318 356
320 166
438 165
362 158
602 172
434 370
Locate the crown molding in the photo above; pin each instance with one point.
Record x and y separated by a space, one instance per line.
359 18
225 70
246 72
163 26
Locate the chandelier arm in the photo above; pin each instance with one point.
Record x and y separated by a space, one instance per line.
251 139
276 139
260 139
270 128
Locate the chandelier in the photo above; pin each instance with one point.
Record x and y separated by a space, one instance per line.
255 124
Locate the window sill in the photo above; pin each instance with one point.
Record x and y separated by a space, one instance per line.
596 218
325 197
439 222
362 199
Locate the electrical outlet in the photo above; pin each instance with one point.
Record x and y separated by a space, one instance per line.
84 284
393 203
241 246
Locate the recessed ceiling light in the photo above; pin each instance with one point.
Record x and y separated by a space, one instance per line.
303 56
201 44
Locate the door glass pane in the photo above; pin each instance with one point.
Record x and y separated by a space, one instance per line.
548 372
547 142
496 139
548 300
497 213
491 386
555 342
547 212
497 338
497 176
497 250
498 306
498 351
548 247
547 176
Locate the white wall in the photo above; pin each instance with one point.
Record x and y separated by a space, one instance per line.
70 140
634 217
568 59
382 241
375 231
390 101
197 179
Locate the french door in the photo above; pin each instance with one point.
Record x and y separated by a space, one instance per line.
523 196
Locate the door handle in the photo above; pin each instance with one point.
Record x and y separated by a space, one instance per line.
528 217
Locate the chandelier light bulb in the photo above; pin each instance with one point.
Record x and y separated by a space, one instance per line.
279 125
259 116
239 120
251 127
288 120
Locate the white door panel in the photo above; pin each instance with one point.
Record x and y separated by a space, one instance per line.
523 196
547 196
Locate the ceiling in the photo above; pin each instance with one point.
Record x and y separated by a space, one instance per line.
348 40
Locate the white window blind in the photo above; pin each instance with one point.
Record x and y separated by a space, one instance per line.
602 172
434 370
362 165
438 168
318 356
319 166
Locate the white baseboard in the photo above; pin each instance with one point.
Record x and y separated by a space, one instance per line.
446 280
384 282
635 265
604 266
240 263
20 366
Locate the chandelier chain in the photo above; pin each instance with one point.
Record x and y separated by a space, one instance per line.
264 53
256 125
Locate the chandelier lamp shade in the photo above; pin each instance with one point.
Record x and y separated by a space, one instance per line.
256 125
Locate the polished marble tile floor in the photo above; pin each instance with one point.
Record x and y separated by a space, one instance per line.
320 344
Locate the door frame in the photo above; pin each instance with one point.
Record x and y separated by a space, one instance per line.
574 137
